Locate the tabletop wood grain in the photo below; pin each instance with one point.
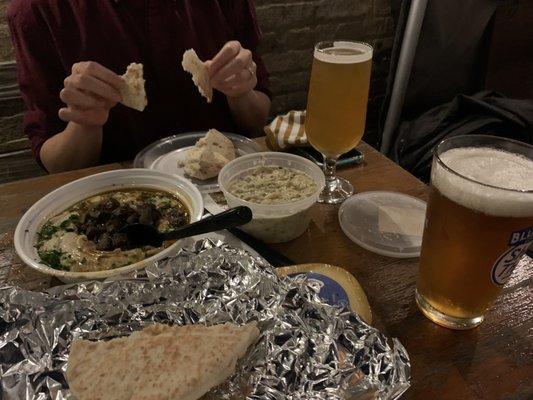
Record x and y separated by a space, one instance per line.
493 361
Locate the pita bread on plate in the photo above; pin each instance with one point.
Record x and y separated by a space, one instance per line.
219 143
134 94
159 362
193 65
209 155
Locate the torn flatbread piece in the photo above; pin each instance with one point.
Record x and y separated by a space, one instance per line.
209 155
193 65
159 362
134 94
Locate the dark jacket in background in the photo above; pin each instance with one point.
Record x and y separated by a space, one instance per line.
487 113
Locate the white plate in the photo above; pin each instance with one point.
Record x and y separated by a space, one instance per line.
167 154
73 192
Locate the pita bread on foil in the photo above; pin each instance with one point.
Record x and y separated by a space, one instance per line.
159 362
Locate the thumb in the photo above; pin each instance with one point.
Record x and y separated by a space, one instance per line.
208 65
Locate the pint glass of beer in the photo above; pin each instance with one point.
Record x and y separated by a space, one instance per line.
336 107
479 223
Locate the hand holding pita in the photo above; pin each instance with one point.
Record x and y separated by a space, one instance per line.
89 92
232 71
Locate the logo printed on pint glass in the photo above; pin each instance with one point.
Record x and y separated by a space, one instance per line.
504 266
521 237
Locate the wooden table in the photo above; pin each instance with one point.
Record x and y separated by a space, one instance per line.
492 361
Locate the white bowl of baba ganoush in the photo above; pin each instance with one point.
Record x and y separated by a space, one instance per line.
279 188
73 233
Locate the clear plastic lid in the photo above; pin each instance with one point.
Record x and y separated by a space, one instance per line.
387 223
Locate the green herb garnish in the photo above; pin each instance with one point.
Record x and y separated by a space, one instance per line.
52 258
71 220
47 231
144 195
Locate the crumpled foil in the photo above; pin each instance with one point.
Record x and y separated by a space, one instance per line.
307 349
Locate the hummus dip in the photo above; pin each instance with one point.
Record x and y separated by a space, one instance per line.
86 237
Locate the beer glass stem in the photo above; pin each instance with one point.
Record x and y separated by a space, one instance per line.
336 189
330 168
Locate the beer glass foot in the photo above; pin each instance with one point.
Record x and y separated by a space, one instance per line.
444 320
336 191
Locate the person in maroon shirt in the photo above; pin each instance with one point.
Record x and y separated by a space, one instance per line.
70 53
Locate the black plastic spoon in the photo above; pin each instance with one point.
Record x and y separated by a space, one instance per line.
146 235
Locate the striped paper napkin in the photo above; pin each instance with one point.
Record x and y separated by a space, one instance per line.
286 131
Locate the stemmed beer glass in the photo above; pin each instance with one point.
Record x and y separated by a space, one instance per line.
336 107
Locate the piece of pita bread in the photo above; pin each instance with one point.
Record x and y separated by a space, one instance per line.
134 94
219 143
193 65
209 155
159 362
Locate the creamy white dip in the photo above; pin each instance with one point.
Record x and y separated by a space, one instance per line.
273 185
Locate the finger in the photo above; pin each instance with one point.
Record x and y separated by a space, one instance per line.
92 117
92 85
243 76
241 61
239 89
79 99
100 72
228 52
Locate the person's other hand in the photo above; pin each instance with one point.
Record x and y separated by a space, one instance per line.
89 92
233 71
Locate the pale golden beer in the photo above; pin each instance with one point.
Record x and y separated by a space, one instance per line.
479 222
338 96
336 107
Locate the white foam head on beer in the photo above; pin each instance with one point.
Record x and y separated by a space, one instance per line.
355 53
488 166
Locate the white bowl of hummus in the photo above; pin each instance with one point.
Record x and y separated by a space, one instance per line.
279 188
73 233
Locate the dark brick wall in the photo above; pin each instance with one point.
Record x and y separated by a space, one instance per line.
5 44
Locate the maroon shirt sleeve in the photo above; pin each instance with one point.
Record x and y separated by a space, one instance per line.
40 73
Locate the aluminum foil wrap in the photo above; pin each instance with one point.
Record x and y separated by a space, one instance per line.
307 349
